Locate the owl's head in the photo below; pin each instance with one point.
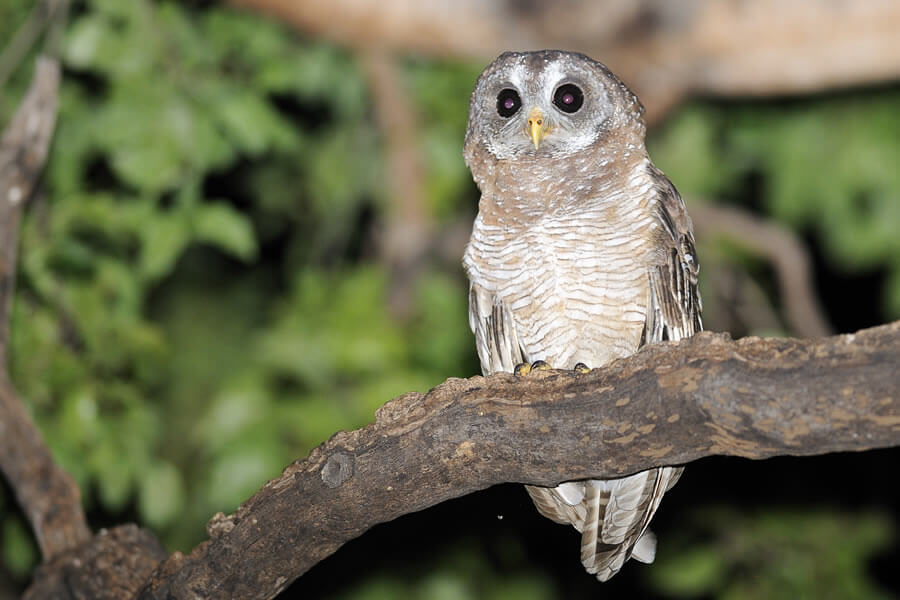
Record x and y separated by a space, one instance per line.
549 103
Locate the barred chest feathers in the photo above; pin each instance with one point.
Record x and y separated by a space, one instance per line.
574 274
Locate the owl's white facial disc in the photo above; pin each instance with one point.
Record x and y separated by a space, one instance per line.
576 101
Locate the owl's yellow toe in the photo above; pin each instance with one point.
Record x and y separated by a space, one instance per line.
523 369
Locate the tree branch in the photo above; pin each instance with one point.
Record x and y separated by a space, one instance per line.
668 404
113 565
664 49
404 237
23 150
46 493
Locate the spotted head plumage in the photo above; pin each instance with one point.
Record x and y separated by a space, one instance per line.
549 104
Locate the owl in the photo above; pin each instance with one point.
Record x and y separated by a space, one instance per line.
581 253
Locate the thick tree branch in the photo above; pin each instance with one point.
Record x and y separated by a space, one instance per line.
47 494
664 49
668 404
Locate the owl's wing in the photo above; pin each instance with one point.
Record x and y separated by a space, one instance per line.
673 311
495 333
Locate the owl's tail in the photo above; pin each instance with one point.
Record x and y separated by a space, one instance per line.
616 519
611 515
599 558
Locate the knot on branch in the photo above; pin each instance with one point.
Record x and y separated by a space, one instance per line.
338 469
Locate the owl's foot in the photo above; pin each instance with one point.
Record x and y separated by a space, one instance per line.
581 368
523 369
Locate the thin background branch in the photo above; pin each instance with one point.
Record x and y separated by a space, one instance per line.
404 237
780 247
46 493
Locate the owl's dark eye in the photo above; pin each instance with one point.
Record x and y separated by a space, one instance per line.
568 98
508 102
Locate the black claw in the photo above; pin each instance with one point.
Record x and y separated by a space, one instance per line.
522 369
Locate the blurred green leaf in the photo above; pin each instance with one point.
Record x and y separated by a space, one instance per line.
241 469
91 41
252 123
161 494
114 474
692 573
225 227
18 549
687 150
164 239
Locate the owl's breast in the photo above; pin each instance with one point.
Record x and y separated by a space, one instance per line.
577 288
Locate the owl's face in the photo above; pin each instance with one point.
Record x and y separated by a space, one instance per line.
548 103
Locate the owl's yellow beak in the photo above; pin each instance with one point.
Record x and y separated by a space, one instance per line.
537 126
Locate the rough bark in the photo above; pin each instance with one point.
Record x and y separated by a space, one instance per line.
664 49
113 565
668 404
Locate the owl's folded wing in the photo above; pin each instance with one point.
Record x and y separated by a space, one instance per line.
673 310
495 333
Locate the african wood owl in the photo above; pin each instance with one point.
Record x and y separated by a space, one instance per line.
582 252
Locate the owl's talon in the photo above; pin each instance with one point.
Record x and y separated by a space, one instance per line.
581 368
523 369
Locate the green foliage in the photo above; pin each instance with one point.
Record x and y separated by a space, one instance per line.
787 554
444 96
18 552
13 14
